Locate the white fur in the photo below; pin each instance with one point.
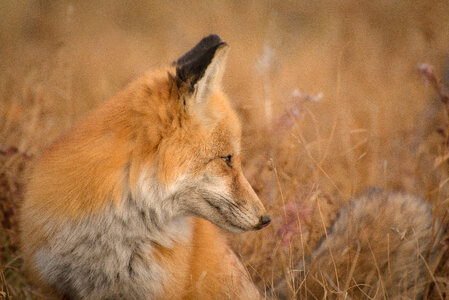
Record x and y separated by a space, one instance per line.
109 254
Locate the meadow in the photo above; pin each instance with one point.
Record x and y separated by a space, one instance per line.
329 94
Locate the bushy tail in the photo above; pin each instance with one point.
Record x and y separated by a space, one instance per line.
380 246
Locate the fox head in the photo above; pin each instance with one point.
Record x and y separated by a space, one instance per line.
197 157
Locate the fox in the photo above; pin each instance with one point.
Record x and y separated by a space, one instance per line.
132 203
126 205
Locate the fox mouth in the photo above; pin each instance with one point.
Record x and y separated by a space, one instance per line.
225 217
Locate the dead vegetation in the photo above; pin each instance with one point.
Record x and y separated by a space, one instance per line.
329 94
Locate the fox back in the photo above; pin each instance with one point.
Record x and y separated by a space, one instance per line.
122 206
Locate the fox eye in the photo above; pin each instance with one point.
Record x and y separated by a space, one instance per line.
227 160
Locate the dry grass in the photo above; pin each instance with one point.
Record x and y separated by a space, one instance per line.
377 123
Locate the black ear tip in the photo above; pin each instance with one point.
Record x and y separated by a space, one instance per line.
192 65
212 41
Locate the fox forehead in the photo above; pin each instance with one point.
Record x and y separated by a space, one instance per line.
217 119
226 134
187 146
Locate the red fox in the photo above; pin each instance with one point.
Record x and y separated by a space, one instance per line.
117 207
126 205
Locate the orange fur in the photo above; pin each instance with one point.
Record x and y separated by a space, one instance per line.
110 178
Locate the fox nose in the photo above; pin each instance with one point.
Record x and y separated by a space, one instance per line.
263 222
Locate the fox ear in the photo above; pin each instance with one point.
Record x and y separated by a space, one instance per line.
201 69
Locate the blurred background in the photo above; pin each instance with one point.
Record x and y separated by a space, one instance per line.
329 94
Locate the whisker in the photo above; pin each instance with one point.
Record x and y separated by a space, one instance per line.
234 206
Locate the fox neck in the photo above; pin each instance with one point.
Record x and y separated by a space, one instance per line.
158 211
154 224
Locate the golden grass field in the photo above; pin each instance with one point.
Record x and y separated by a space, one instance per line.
329 95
